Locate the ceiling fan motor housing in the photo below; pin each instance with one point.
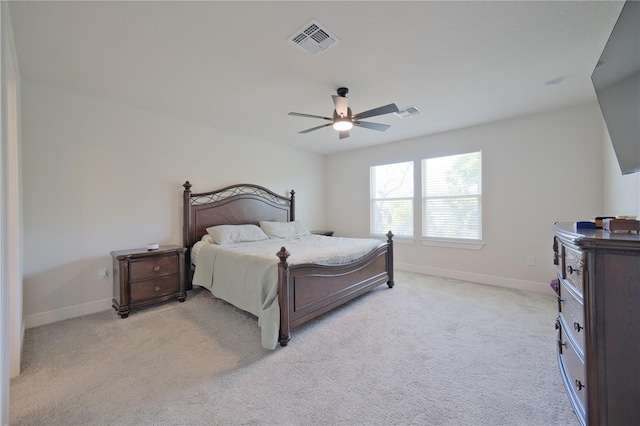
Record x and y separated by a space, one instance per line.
338 117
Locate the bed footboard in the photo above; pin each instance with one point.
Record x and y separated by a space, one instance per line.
308 290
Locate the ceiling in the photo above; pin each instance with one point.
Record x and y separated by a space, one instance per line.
230 65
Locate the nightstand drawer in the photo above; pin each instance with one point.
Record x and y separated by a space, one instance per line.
153 289
154 267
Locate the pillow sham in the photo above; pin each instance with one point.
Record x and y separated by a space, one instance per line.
284 229
230 234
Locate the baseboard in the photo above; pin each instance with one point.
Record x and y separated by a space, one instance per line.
56 315
478 278
61 314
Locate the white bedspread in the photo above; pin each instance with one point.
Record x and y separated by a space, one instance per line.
246 274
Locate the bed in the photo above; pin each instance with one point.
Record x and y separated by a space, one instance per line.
304 290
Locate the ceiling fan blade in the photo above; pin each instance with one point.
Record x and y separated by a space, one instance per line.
343 134
316 128
377 111
373 126
299 114
341 104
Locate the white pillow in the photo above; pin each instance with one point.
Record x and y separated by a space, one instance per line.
229 234
206 238
284 229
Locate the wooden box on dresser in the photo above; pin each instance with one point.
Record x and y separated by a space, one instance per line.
142 277
599 323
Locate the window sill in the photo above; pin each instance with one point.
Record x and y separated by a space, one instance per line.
396 239
460 244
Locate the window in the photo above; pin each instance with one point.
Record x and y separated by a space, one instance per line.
452 197
392 199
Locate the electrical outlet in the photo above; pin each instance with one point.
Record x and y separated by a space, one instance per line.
531 260
103 274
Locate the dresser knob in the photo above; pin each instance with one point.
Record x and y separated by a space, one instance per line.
156 288
156 268
579 384
571 270
577 327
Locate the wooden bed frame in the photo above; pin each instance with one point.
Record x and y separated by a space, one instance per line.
304 291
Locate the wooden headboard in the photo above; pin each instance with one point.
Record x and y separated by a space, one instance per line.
233 205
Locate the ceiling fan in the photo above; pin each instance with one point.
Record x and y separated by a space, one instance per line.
343 120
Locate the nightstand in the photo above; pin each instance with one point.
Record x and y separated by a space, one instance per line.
142 277
323 232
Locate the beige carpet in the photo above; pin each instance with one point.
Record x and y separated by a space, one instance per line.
430 351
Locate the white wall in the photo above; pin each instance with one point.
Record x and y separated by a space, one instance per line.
536 170
11 323
4 276
621 192
101 176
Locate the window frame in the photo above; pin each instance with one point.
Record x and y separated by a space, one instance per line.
372 201
451 242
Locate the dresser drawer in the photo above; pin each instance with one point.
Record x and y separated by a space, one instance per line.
574 375
572 315
154 289
153 267
573 269
558 256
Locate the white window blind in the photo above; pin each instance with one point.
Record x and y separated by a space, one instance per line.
452 197
392 199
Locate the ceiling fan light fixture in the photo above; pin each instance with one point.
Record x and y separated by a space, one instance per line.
343 124
344 120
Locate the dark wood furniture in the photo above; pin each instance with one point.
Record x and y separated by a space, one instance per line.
142 277
599 323
305 290
323 232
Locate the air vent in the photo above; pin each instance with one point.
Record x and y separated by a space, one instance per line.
408 112
313 38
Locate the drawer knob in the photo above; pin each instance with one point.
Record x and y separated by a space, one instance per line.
577 327
579 384
156 268
156 288
571 269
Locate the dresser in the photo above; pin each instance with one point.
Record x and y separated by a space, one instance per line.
142 277
598 323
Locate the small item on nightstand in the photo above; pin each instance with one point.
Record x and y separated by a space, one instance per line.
153 246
